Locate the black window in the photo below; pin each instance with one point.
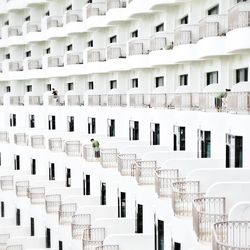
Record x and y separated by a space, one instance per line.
133 130
241 75
90 43
69 7
184 20
68 177
28 53
160 235
212 77
113 39
135 83
184 80
27 18
111 127
18 217
2 209
8 89
154 134
71 124
70 86
16 162
70 47
52 122
33 166
12 120
7 56
213 11
177 246
113 84
179 138
32 227
86 184
48 87
91 125
240 1
29 88
52 174
134 33
91 85
47 51
204 144
122 205
47 13
103 193
139 219
48 238
60 245
6 22
159 81
159 27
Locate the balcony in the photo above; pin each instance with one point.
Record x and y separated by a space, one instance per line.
73 148
56 145
21 139
231 235
74 58
4 240
73 16
145 172
126 164
17 100
108 247
22 188
97 100
115 4
164 178
93 237
96 9
184 192
238 102
96 55
75 100
35 100
37 141
139 100
138 46
117 100
186 34
15 31
14 247
54 22
206 212
16 66
115 51
37 195
58 100
89 153
4 136
7 183
34 64
238 16
55 61
80 222
66 211
213 25
109 158
162 41
52 203
33 27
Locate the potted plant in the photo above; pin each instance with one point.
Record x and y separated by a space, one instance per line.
219 100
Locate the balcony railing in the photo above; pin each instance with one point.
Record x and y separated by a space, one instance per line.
52 203
139 100
4 240
55 61
238 102
14 247
80 222
21 139
186 34
73 148
96 9
74 58
16 100
164 178
66 211
108 247
239 15
15 31
1 97
145 172
33 27
37 195
115 51
22 188
126 164
7 182
184 192
96 55
89 153
138 46
35 100
4 136
115 4
206 212
58 100
56 144
117 100
34 64
93 237
213 25
54 21
73 16
231 235
75 100
162 41
37 141
16 66
109 158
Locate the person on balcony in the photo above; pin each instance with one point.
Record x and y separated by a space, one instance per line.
96 147
55 95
